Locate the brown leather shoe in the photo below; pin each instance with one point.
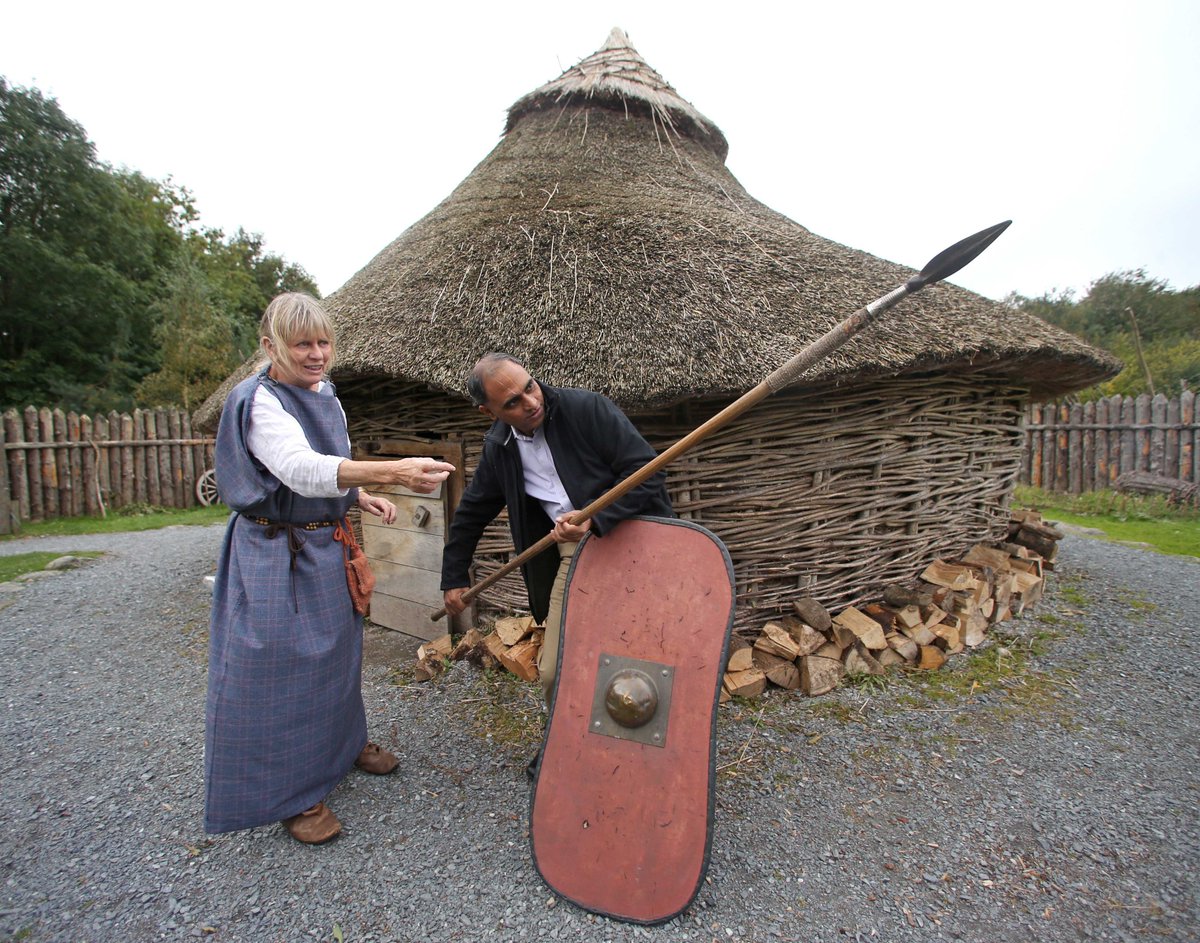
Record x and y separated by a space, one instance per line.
314 826
375 759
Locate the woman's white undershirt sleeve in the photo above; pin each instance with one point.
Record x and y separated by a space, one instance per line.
277 440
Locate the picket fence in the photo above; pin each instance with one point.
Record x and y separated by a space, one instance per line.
1077 447
60 464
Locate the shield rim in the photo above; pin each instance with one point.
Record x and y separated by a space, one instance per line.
712 740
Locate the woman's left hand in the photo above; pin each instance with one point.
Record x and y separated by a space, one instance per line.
380 507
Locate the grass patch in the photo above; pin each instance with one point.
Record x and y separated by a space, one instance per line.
21 563
1130 518
132 518
997 667
509 713
1003 667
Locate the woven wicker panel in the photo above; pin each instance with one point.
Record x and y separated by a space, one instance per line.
831 494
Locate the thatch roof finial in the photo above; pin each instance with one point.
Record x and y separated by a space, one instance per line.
616 75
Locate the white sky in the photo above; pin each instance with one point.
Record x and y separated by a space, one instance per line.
893 127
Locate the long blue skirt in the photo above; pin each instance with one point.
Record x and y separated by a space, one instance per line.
284 715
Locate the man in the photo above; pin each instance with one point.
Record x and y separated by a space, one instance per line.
550 452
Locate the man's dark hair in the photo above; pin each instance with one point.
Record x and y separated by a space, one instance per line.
482 370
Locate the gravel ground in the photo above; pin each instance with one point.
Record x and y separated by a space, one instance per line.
1059 804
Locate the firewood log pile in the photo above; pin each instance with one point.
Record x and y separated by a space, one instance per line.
949 610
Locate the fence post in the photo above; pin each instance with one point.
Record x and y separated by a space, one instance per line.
1088 471
49 468
16 462
189 461
151 431
7 524
127 482
1188 452
177 460
1158 435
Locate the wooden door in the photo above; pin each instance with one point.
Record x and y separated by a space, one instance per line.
406 556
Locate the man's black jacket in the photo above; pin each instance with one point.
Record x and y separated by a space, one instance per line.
594 446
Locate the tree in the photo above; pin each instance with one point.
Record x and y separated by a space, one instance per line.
195 338
111 293
1115 307
81 249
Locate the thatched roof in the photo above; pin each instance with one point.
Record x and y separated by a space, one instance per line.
604 240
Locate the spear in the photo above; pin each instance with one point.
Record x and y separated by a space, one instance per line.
941 266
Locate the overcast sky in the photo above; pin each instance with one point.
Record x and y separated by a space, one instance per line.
896 128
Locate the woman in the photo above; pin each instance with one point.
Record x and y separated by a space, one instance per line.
285 718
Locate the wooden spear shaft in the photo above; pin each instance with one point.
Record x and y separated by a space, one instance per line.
941 266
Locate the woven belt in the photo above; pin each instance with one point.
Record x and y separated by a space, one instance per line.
311 525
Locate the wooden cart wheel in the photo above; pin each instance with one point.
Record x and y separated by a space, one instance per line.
206 488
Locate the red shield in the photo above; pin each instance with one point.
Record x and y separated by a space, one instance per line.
622 808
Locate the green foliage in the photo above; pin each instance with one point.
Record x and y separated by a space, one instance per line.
1117 311
111 295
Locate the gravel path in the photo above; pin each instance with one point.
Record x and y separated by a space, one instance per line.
1060 804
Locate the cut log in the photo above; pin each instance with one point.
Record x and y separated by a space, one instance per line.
909 617
494 645
521 659
933 615
1024 582
831 650
819 675
471 639
1001 596
1032 564
427 669
931 658
842 636
748 683
975 631
901 597
775 640
438 648
950 575
859 661
950 634
1045 547
866 629
778 670
982 555
905 647
884 616
890 658
514 628
1031 591
805 635
813 613
1177 490
741 655
922 634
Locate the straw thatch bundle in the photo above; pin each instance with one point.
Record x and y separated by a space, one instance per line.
605 242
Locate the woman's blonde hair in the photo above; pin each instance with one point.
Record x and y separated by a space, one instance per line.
290 316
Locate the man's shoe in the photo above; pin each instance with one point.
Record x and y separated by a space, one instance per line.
314 826
376 760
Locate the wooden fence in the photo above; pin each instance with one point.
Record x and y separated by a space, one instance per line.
1077 447
58 464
